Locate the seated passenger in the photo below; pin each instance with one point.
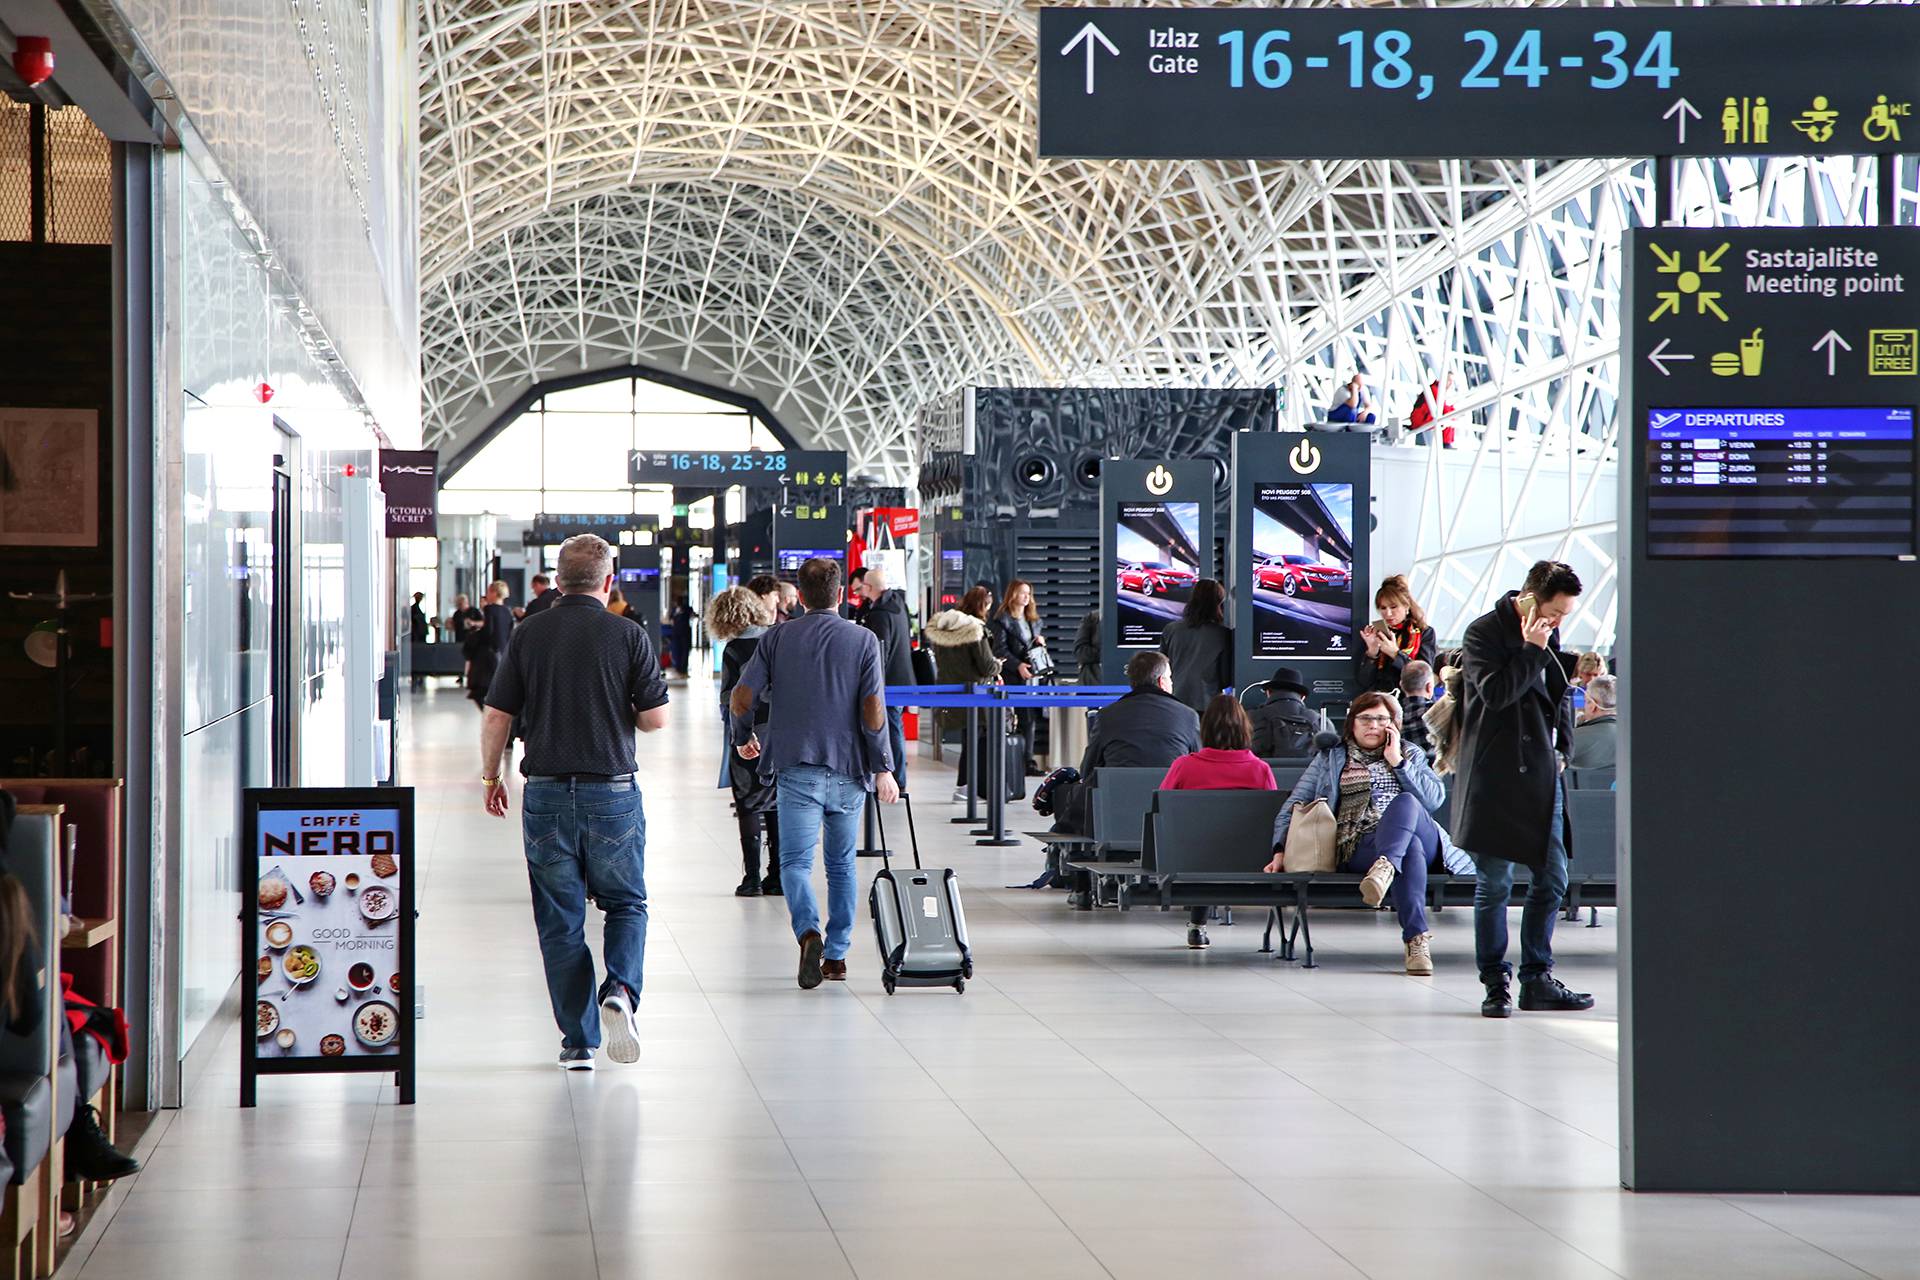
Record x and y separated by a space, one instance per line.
1593 736
1416 696
1283 725
1223 763
1380 790
1147 728
1400 636
1352 404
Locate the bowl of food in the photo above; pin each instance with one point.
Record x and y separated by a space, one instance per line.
273 893
384 866
378 903
279 934
302 965
266 1018
376 1023
321 882
332 1046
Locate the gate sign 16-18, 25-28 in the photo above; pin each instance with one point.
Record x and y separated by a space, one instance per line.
1412 83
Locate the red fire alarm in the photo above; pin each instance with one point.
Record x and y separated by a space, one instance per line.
33 59
263 393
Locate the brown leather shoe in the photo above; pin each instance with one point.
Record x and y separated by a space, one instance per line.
811 944
833 970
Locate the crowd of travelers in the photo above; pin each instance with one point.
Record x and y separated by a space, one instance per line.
809 743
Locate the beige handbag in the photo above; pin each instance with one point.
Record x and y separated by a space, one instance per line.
1310 838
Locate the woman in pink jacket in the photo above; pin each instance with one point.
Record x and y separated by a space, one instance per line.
1224 762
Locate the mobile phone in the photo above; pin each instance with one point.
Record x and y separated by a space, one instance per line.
1527 607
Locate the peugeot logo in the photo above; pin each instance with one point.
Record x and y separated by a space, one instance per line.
1304 458
1159 481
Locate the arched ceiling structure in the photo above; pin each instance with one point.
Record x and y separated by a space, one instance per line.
837 208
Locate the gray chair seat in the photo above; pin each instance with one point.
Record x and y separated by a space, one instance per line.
27 1103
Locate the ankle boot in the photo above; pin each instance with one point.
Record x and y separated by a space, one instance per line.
90 1157
771 885
749 886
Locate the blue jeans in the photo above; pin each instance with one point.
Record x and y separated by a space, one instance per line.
1494 886
897 743
820 807
1410 842
586 840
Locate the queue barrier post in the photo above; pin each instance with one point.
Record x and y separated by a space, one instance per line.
995 833
970 752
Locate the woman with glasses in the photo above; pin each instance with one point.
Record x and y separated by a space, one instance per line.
1381 791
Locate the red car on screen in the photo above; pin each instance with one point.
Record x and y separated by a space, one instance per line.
1151 579
1293 575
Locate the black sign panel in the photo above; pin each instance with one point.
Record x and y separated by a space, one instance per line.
1776 374
410 480
327 933
547 530
1298 555
750 467
1388 82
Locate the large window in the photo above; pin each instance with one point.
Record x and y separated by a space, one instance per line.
568 453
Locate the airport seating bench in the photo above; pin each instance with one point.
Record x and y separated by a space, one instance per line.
1210 848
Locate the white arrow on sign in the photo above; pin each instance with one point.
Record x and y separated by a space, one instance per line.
1683 109
1834 344
1659 356
1087 35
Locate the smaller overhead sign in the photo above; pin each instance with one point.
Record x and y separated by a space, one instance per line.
754 468
1403 83
548 529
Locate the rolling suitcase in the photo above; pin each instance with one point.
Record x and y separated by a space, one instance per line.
917 920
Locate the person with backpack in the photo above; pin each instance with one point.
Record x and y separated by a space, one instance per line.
1284 726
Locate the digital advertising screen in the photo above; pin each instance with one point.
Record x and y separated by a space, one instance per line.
953 576
1157 561
1301 571
1804 483
788 562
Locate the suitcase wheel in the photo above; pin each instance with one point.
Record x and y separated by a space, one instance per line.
960 985
886 980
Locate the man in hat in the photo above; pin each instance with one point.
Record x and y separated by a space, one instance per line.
1283 726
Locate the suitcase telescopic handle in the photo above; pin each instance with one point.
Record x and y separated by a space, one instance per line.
880 827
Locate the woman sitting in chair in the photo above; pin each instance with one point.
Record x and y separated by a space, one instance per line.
1381 791
1224 762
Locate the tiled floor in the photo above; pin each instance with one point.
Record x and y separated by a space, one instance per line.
1101 1102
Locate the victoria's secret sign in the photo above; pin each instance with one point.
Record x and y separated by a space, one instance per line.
411 481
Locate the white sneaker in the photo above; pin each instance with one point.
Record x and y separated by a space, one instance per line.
959 795
1373 889
1420 956
616 1023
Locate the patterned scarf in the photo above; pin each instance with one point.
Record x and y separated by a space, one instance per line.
1367 787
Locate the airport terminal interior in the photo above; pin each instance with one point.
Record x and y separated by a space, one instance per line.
941 638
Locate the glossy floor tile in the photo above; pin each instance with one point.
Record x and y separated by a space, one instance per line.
1101 1102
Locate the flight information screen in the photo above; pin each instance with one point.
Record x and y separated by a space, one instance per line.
1788 483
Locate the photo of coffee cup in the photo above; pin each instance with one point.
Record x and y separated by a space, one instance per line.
284 1039
352 881
279 934
360 976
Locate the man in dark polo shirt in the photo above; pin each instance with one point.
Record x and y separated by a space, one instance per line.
581 680
826 747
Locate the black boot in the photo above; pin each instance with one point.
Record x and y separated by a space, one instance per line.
749 886
1499 1001
90 1157
1546 994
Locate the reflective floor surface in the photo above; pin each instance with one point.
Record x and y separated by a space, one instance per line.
1100 1103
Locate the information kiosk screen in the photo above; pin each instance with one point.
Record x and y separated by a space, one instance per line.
1301 571
1156 563
1787 483
789 561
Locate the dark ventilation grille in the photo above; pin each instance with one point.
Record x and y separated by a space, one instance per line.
1064 568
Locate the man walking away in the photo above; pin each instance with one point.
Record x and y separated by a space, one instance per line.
581 680
418 631
544 597
885 614
1510 807
827 731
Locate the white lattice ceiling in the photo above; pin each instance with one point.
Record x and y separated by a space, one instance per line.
836 207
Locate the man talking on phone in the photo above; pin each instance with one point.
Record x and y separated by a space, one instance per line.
1516 734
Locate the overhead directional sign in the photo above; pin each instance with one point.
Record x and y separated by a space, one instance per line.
694 468
1279 83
